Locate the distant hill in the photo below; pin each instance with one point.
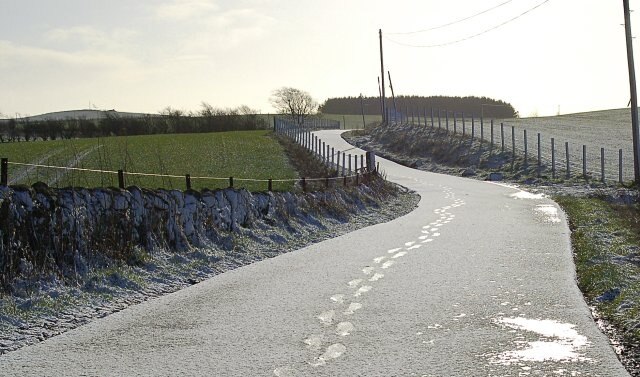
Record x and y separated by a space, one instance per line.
81 114
489 107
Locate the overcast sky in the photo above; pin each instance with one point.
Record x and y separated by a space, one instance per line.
142 56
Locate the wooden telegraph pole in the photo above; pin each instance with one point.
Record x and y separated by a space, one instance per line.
381 101
382 76
364 123
634 94
393 95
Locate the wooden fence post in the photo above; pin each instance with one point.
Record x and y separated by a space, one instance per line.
304 184
464 125
4 172
270 185
371 162
566 150
350 164
361 162
513 143
432 125
231 182
491 133
344 178
502 135
121 179
473 126
455 123
539 156
446 114
344 165
326 182
481 129
526 150
602 163
584 161
188 181
620 166
553 158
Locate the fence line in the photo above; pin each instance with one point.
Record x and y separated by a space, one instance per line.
324 152
310 123
591 165
5 163
301 134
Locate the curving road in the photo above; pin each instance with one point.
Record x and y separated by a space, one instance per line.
478 281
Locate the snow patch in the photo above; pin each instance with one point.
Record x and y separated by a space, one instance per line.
527 195
560 342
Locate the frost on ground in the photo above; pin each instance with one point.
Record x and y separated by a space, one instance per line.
439 151
72 255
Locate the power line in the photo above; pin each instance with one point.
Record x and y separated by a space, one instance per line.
454 22
471 36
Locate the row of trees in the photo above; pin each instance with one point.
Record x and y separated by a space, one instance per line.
298 104
294 103
208 119
487 107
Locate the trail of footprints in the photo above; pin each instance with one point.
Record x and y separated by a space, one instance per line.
336 320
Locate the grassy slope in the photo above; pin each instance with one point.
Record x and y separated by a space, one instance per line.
605 239
608 129
248 154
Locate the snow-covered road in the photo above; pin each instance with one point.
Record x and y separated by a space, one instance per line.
478 281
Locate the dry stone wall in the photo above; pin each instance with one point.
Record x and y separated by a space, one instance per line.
68 231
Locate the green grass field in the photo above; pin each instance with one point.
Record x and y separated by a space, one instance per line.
242 155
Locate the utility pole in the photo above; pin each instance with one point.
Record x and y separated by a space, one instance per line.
381 102
364 124
393 95
634 94
382 76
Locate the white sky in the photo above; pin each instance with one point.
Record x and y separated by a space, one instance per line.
146 55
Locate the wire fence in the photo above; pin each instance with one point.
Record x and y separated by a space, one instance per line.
341 162
307 123
563 151
348 171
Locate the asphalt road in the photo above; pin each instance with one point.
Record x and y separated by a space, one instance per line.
478 281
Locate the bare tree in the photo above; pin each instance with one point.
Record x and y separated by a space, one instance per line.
294 102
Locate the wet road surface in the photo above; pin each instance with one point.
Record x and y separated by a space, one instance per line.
478 281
